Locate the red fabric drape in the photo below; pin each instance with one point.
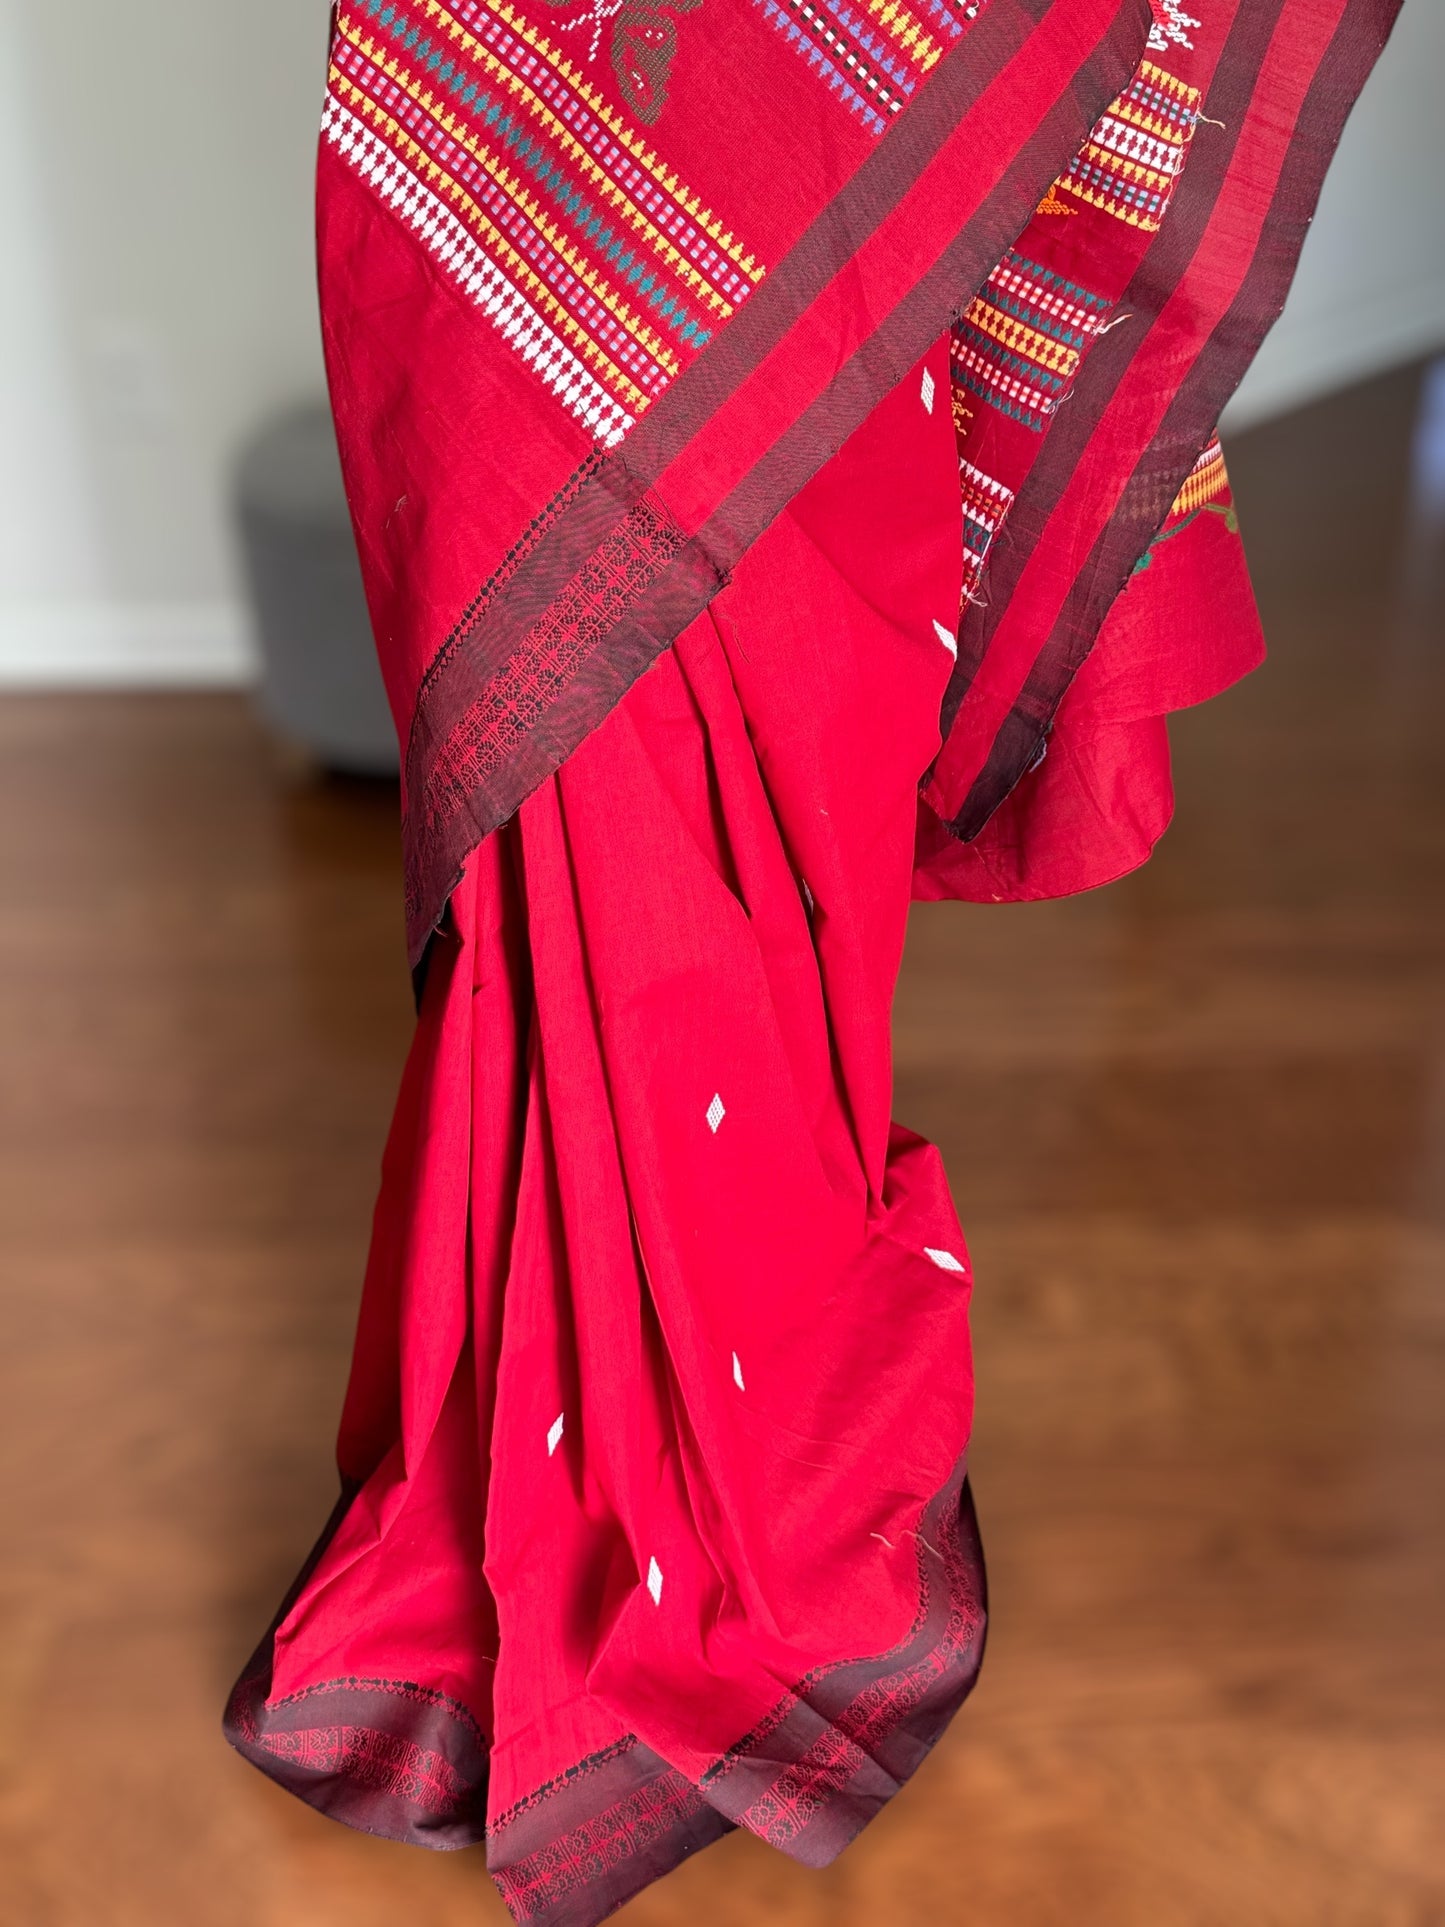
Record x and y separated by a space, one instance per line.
718 625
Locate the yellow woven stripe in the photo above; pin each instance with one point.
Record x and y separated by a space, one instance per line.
1133 115
515 192
615 125
1150 121
906 31
1202 485
1020 339
1132 216
1168 83
497 242
1051 204
681 266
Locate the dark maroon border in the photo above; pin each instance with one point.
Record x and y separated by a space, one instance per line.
1359 38
695 568
386 1756
578 1848
831 1756
419 1775
807 1778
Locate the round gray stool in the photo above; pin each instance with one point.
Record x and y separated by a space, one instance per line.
320 685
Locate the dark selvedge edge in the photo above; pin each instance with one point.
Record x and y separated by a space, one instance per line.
687 572
807 1778
577 1848
1358 39
406 1762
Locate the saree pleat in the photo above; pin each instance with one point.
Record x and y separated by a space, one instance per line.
620 1368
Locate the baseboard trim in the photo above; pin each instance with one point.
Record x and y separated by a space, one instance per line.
100 645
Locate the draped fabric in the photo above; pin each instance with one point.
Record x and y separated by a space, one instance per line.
780 437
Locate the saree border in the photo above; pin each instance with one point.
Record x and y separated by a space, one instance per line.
1214 181
580 1846
525 676
408 1763
806 1779
385 1756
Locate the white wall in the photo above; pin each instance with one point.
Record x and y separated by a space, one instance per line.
155 244
1370 291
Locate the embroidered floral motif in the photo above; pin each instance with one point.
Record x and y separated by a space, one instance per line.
1170 26
644 43
1204 486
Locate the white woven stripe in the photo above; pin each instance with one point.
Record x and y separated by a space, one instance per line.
986 485
1135 144
661 207
1045 300
479 277
1002 382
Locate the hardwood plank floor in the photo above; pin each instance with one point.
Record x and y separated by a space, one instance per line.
1196 1126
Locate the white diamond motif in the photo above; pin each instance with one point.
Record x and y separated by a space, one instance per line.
554 1434
715 1114
946 637
928 389
945 1260
654 1581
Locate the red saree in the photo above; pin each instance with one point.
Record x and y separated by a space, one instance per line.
655 1519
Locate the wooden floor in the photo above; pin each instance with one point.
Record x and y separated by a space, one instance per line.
1196 1126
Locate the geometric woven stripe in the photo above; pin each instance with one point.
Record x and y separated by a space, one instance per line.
870 54
985 504
1204 482
372 1758
460 254
1136 152
601 269
1020 342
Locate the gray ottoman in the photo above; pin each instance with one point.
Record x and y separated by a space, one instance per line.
320 685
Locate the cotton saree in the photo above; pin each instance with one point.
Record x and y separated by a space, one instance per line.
780 439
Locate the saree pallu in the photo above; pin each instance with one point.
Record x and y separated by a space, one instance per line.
780 440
